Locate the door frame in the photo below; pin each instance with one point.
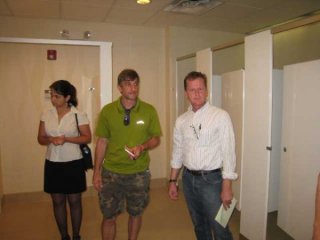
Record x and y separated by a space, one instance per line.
105 55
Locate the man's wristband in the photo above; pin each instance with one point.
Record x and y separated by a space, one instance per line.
175 181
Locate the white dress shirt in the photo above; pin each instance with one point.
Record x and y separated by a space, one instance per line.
204 140
67 127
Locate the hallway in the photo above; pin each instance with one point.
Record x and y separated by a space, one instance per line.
30 217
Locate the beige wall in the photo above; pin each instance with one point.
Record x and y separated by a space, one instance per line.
296 45
134 47
1 186
228 59
151 51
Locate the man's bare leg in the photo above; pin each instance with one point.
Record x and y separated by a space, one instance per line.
134 225
108 229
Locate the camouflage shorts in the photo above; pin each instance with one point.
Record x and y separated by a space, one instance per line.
118 189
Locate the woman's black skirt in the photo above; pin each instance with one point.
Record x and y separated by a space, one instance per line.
64 177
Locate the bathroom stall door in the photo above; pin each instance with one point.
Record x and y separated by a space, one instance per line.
184 66
26 74
257 135
300 160
204 65
275 155
232 102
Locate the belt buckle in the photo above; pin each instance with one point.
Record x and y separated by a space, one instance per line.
194 172
197 173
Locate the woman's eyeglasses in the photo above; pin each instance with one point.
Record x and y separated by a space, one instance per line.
126 118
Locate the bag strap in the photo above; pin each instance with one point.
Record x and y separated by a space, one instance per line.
76 115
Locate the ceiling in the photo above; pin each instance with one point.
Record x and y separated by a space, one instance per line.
238 16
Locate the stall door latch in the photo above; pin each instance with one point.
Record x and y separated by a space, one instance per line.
269 148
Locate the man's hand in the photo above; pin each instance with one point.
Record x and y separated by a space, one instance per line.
97 181
226 193
173 191
136 151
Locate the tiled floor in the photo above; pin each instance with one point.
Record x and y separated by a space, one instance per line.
163 220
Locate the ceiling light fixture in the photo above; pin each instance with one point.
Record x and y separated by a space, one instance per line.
143 2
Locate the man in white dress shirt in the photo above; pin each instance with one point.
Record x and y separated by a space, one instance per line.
204 146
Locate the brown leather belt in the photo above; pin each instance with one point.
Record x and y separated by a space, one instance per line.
202 172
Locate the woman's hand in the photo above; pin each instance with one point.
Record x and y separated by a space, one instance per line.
59 140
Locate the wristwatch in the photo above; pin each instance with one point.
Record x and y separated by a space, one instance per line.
174 181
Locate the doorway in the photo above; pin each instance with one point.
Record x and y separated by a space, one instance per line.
26 74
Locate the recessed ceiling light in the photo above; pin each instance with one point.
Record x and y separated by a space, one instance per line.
143 2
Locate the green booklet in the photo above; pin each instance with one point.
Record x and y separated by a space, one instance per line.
223 215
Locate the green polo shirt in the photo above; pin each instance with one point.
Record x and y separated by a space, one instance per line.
144 124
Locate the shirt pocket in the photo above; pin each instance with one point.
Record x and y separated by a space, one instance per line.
208 137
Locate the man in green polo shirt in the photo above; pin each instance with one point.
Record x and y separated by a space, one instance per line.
127 128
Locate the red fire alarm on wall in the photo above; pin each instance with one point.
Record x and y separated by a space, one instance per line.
52 54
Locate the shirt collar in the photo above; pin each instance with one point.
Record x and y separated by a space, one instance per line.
73 110
203 108
134 109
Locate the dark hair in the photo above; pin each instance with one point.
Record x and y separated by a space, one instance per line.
64 88
128 75
194 75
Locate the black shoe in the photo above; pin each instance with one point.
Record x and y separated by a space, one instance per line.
66 238
76 238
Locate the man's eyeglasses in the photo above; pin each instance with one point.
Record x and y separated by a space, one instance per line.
126 118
